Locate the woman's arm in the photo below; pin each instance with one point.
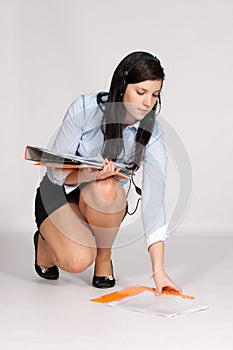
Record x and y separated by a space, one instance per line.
153 208
79 176
76 177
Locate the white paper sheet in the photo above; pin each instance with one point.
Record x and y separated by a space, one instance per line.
164 305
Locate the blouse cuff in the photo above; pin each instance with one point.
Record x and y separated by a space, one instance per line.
159 235
57 176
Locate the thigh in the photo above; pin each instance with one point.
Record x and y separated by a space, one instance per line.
68 234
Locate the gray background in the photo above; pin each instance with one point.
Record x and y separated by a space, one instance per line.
54 50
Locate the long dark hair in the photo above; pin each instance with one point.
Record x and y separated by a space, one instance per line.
134 68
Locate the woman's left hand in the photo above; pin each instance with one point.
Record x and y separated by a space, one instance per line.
107 171
163 282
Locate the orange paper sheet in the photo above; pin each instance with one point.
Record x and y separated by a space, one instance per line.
126 292
69 166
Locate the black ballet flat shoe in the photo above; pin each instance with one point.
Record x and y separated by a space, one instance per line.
49 273
103 281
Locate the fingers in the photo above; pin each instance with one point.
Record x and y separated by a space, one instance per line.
163 282
158 291
108 170
171 288
109 166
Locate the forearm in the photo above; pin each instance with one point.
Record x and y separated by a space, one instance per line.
161 279
156 251
88 174
79 176
72 178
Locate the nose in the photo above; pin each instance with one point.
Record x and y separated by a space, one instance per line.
147 100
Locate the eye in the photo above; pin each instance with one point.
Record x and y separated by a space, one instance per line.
140 92
156 95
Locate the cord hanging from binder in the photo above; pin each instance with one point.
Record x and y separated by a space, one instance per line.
138 191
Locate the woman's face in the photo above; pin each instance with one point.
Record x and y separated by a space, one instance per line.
140 98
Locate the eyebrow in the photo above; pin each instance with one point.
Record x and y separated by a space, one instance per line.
147 90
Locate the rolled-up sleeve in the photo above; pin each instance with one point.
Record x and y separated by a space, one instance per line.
153 189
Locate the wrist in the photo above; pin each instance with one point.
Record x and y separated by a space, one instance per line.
156 270
86 175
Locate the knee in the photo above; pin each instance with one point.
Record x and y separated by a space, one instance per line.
107 189
104 195
74 263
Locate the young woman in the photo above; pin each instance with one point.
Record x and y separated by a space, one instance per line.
79 212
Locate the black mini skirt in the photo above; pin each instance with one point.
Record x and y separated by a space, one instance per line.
50 197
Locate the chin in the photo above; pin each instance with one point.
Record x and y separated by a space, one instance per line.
140 116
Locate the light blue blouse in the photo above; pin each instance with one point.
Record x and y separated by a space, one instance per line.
80 134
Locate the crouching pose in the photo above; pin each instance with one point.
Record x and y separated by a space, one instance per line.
79 212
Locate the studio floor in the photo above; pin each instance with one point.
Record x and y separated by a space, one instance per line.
39 314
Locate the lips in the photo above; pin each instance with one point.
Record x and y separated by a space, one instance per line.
142 111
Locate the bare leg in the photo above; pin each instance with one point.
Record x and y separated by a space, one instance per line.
68 232
103 204
69 243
